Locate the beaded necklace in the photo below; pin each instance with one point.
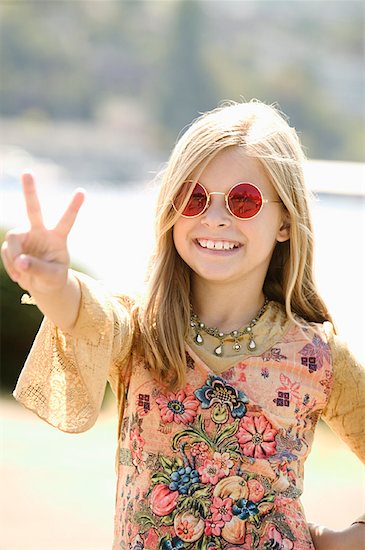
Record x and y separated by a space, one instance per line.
198 327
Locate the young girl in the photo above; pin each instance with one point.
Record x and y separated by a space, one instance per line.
225 366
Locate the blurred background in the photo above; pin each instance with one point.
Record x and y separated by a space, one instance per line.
95 94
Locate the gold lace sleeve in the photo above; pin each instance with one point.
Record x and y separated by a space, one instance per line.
64 377
345 410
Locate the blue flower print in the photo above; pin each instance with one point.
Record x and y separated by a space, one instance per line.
174 544
244 508
223 397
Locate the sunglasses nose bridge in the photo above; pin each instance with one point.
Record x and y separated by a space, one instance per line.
212 211
215 193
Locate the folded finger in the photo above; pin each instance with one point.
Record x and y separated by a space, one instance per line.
8 264
14 244
68 219
31 201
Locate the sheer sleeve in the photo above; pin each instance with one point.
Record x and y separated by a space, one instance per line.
64 377
345 410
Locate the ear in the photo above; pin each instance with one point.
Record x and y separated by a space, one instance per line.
283 233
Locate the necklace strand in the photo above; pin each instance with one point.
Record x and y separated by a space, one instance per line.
198 326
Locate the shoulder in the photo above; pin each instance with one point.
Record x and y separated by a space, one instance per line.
344 360
325 334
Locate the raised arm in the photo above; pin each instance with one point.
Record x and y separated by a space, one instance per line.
38 259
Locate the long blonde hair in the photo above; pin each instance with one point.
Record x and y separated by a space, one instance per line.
162 321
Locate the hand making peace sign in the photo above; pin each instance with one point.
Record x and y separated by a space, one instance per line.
38 259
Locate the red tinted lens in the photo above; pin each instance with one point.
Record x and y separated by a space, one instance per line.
197 200
245 200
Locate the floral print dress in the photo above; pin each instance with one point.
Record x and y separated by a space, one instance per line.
219 464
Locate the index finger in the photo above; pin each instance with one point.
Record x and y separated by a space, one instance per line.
31 200
66 222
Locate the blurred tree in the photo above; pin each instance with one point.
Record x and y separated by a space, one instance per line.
186 86
42 63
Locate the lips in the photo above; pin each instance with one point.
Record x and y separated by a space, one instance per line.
217 244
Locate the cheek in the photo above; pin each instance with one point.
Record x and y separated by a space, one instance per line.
262 231
179 233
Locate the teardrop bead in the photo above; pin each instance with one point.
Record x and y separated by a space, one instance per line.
252 345
236 346
199 339
218 351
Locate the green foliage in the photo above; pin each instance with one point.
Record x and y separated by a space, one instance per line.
19 325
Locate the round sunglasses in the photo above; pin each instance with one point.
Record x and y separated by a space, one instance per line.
244 200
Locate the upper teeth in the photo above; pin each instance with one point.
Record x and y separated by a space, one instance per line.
217 245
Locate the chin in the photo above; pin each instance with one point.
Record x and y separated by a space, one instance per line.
215 276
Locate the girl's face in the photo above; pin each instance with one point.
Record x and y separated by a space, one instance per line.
201 241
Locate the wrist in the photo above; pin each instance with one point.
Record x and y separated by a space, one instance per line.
60 305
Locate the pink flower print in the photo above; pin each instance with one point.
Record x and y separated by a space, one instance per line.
240 368
278 541
256 491
151 539
184 530
211 471
256 437
136 446
188 527
248 544
180 407
213 527
223 461
200 449
221 509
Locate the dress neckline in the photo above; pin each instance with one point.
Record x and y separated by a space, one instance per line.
270 328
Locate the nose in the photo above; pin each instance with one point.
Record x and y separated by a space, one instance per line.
216 215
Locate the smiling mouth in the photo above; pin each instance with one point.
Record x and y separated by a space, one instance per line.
218 245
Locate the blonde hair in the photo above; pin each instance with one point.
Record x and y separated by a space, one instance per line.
162 321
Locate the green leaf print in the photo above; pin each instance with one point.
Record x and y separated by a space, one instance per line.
224 436
195 434
201 491
168 520
145 520
167 464
198 503
218 542
160 477
202 543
